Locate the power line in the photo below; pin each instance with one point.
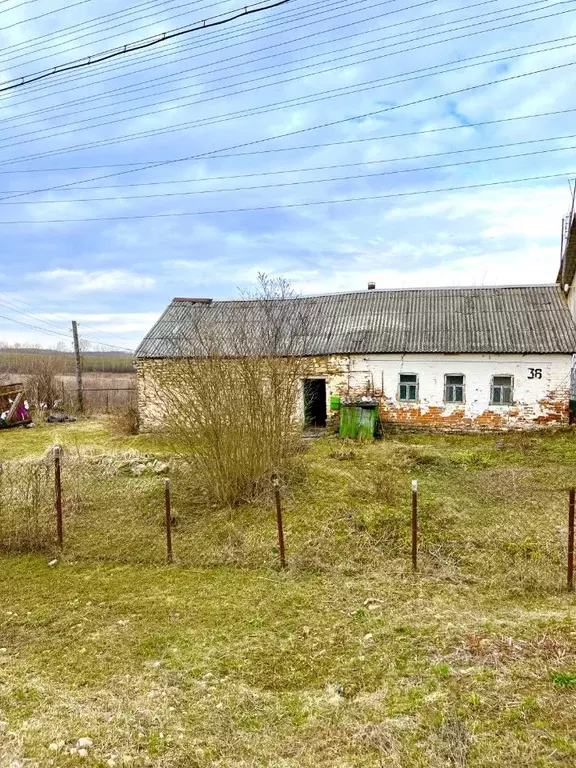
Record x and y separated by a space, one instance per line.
299 131
314 168
297 148
247 27
13 8
46 13
379 48
301 182
61 335
140 45
72 30
76 37
363 198
367 85
147 86
12 300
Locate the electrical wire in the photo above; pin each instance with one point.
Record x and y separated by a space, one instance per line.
308 129
20 49
212 38
142 87
46 13
297 148
98 41
242 56
12 300
61 335
308 170
271 107
177 214
301 182
139 45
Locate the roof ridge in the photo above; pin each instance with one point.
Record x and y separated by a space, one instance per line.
361 292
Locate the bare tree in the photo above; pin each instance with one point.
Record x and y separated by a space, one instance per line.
228 395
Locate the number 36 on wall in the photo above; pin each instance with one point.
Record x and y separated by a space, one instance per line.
535 373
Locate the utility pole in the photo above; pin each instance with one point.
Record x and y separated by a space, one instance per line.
79 391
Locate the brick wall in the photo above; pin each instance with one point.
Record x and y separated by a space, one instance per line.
541 389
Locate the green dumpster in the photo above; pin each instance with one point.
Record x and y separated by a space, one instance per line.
358 421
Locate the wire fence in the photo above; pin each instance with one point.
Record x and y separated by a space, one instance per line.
134 507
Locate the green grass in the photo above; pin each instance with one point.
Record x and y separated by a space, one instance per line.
346 659
86 433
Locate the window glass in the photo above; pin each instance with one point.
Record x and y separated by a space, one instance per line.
502 390
408 387
454 388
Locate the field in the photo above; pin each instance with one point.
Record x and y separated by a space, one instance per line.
345 659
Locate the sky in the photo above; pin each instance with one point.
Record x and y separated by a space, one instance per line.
426 108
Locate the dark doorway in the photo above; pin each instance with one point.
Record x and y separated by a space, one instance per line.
315 402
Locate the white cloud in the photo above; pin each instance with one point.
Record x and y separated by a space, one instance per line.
82 281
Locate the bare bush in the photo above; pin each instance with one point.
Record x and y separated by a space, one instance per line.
25 506
41 383
124 420
228 397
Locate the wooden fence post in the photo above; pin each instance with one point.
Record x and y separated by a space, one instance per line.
168 509
279 523
570 576
414 525
58 496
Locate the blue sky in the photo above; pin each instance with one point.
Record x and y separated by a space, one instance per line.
301 65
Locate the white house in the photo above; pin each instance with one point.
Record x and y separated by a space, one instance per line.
445 358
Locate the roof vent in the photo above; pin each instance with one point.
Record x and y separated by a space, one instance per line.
192 301
371 286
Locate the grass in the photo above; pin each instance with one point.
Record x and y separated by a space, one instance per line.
346 659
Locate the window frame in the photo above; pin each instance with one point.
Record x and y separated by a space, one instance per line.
501 386
446 385
415 384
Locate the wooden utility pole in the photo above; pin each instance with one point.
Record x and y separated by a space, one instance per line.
79 391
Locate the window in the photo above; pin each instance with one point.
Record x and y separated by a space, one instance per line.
454 388
408 389
502 387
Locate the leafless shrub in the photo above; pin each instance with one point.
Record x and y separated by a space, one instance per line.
41 384
124 420
25 506
228 395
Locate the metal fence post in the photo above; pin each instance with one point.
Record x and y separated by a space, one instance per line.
414 525
279 523
58 496
570 578
169 555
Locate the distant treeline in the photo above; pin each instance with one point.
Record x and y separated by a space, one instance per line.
26 361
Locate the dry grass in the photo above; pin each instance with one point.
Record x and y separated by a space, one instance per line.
346 659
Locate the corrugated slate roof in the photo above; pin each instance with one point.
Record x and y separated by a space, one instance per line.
524 320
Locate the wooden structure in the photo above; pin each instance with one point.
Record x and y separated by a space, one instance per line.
12 410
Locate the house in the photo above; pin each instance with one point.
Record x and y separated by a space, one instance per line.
482 358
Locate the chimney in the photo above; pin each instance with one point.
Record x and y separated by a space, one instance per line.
371 286
179 299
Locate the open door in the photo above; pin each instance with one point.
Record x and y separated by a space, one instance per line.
315 402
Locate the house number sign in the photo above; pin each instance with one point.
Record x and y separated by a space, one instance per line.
535 373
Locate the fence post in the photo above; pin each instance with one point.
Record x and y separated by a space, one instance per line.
276 483
571 540
414 525
58 494
169 555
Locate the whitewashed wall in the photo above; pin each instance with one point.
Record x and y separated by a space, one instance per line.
538 402
541 388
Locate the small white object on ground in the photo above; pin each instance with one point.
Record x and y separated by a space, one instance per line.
84 742
82 753
52 563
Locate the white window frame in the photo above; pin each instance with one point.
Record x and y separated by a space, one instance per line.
446 385
501 386
410 384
